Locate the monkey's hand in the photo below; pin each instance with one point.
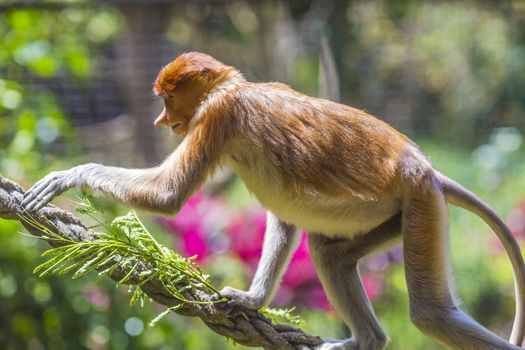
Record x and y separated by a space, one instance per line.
249 300
51 186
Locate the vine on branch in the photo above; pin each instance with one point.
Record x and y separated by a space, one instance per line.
129 254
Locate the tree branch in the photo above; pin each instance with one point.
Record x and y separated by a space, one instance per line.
244 326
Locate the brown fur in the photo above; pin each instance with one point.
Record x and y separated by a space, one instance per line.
318 145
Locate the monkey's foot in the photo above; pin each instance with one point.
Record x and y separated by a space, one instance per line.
330 344
241 298
376 343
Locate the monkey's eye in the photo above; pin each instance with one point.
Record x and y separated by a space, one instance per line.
170 97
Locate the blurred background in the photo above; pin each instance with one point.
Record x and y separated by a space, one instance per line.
75 86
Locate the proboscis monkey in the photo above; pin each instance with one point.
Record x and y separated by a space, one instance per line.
348 178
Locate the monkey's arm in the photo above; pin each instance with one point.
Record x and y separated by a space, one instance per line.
127 185
164 188
280 241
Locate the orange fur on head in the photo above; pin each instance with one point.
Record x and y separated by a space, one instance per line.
190 66
184 83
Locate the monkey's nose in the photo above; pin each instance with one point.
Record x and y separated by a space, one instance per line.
162 119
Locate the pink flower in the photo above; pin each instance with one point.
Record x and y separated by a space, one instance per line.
373 286
301 269
317 298
246 232
194 242
196 223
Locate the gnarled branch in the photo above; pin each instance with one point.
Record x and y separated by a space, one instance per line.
244 326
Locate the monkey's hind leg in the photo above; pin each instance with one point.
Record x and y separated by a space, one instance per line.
336 263
425 240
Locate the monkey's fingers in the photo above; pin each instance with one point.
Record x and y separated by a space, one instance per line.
38 201
37 187
45 198
40 194
31 193
45 189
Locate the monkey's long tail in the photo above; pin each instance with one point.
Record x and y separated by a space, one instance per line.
459 196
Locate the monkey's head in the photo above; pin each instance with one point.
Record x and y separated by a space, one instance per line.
184 83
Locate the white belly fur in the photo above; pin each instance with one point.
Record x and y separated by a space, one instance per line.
322 215
337 217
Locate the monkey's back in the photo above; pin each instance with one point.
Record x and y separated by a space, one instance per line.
319 146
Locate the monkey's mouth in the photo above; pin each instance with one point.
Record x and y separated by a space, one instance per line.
175 126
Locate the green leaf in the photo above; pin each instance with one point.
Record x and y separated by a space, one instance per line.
59 250
160 316
50 265
129 274
137 294
90 265
283 315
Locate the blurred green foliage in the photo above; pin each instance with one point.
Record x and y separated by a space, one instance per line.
465 60
460 65
41 44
